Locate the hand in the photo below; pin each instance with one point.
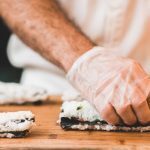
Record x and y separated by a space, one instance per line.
118 87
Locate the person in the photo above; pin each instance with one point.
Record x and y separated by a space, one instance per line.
102 46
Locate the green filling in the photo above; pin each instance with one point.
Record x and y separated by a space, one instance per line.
79 107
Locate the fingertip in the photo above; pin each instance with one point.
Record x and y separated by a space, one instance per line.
110 116
131 122
142 111
144 121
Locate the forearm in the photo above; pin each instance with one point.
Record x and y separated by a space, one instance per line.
43 26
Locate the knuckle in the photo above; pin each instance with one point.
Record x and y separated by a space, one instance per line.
139 104
133 62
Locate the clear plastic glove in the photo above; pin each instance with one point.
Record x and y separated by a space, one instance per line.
118 87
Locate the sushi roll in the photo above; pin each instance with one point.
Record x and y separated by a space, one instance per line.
16 124
14 93
82 115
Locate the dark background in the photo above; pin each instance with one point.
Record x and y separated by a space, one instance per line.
7 72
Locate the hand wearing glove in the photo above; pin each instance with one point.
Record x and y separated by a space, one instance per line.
118 87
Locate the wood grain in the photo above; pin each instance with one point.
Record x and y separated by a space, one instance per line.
48 135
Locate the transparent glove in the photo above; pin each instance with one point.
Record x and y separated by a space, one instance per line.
118 87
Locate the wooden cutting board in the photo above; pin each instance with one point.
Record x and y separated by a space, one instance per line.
48 135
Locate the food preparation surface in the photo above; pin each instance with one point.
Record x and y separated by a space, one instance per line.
48 135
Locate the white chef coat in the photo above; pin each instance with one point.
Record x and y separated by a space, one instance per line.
120 24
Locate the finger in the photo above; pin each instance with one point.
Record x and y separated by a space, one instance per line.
142 112
122 106
140 106
109 115
127 114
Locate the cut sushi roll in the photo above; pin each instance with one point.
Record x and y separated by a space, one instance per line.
13 93
16 124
